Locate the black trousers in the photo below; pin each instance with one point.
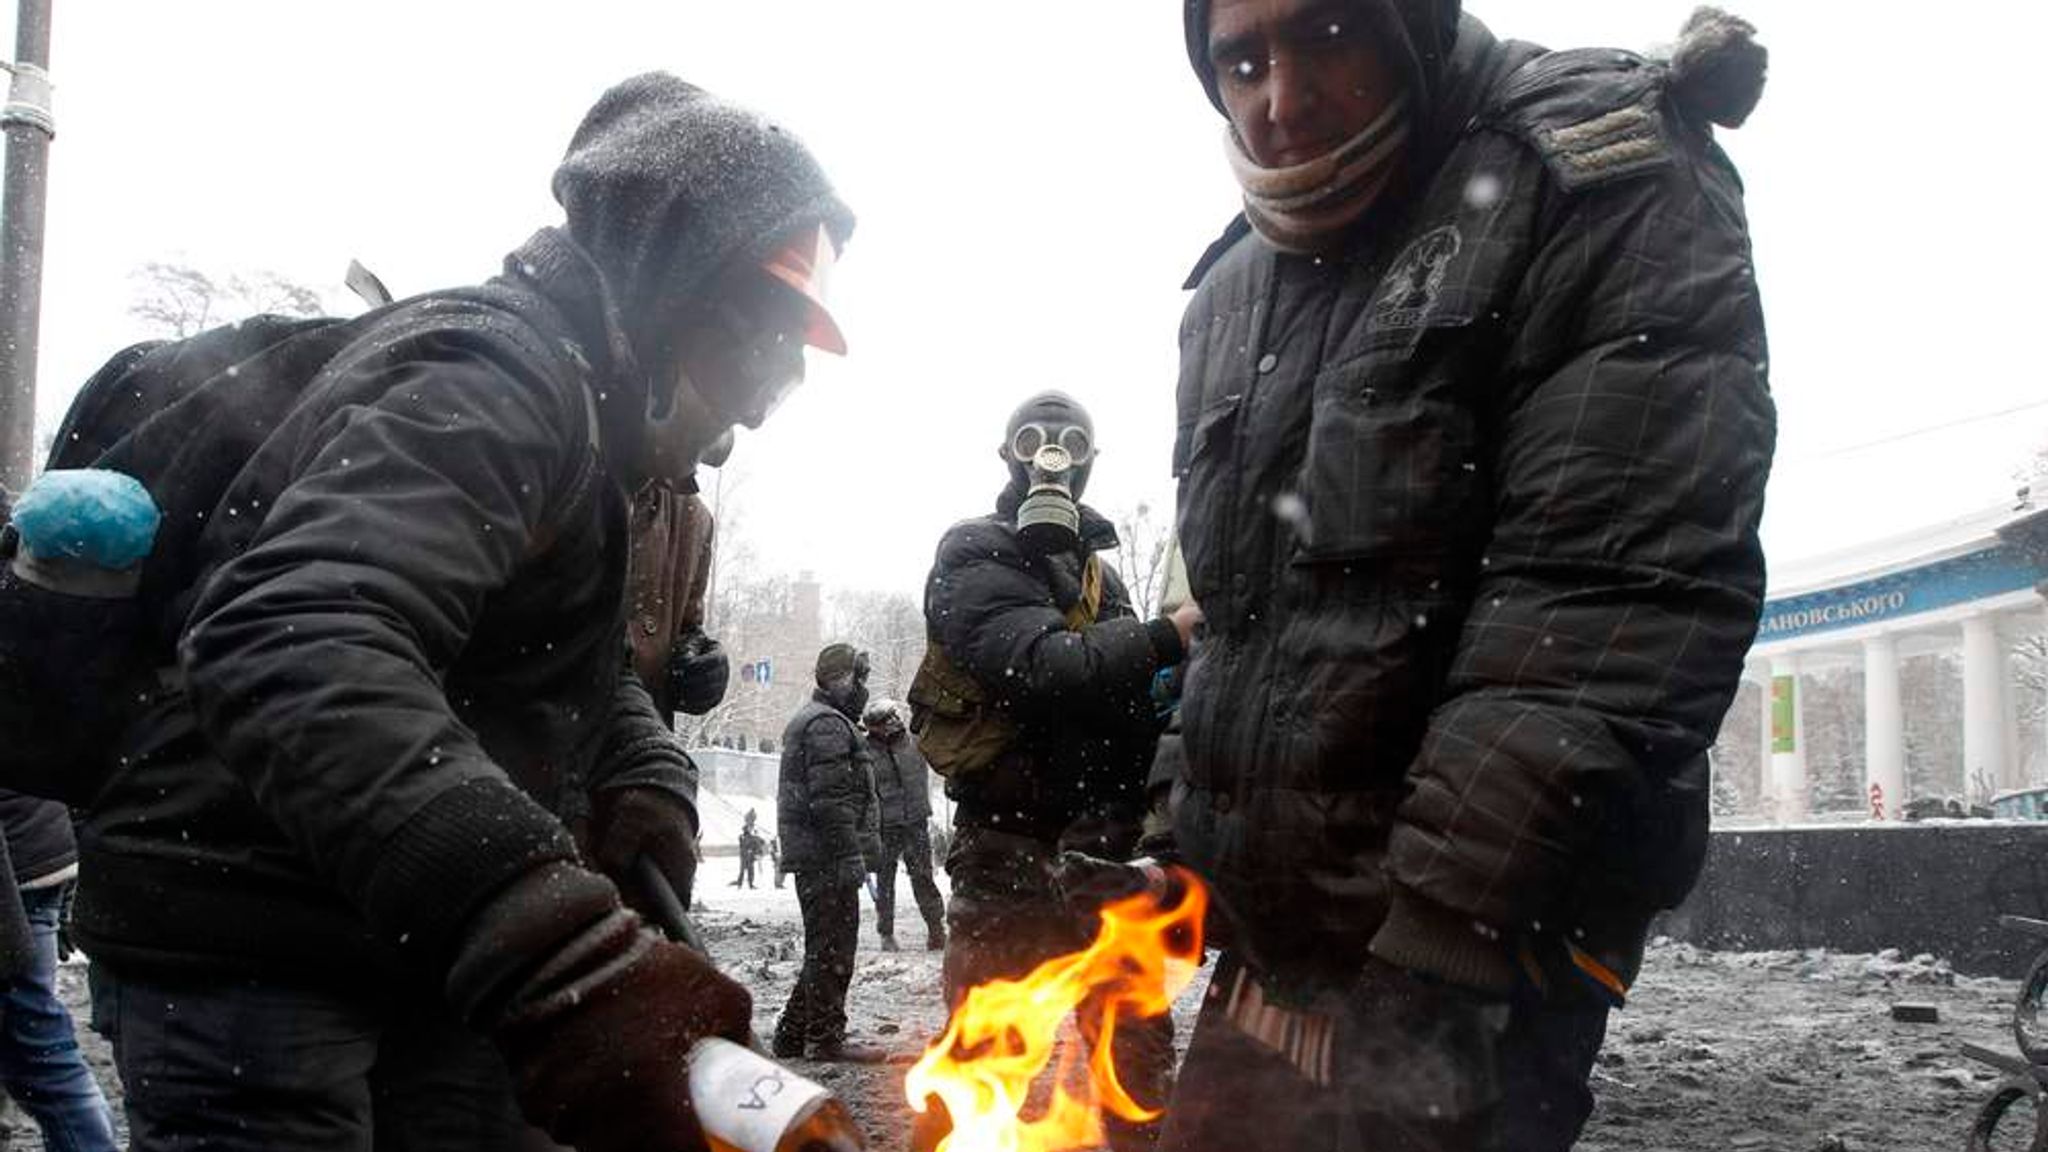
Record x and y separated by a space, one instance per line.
912 844
234 1065
1413 1067
816 1012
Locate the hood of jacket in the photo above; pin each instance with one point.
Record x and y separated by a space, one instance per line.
665 186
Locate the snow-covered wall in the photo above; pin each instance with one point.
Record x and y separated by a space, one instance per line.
1936 888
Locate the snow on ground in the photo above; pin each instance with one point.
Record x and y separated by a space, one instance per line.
1778 1051
1793 1051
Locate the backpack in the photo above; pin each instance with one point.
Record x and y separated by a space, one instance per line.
76 664
184 417
959 727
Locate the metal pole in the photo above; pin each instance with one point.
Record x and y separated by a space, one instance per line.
30 126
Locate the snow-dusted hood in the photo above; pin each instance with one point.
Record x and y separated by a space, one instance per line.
665 185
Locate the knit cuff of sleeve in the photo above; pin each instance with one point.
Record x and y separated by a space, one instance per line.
462 848
1436 941
1166 645
554 908
678 783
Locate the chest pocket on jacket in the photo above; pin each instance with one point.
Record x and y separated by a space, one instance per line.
1393 466
1201 459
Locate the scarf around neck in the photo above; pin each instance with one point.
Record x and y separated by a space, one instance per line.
1300 207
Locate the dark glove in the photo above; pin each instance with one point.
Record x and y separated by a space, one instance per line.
1087 883
599 1062
1422 1051
630 822
697 673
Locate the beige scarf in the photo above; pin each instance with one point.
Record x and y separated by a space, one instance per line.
1299 208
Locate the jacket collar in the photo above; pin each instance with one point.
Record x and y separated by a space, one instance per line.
820 696
556 268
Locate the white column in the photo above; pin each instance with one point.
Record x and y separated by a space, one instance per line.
1766 786
1766 769
1984 743
1884 727
1788 740
2009 720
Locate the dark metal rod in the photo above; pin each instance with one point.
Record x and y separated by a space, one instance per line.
673 919
29 130
22 201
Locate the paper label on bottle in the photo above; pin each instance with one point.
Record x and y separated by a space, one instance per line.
743 1100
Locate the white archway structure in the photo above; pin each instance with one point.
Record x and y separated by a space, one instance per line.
1975 583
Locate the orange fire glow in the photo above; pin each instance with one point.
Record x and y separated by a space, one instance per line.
1004 1032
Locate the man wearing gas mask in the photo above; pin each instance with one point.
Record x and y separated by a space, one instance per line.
827 819
1472 438
1025 620
329 888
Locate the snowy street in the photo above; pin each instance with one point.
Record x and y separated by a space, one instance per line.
1779 1051
1772 1050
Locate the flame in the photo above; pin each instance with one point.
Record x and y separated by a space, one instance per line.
1004 1032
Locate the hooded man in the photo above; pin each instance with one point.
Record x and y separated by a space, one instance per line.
1472 439
1021 611
327 886
825 811
903 794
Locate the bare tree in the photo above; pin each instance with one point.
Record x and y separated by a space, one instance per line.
889 627
179 300
2030 679
2030 480
748 609
731 551
1141 557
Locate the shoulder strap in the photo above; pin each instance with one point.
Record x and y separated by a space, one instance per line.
1089 607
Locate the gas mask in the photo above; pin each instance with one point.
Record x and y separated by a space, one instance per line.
1050 449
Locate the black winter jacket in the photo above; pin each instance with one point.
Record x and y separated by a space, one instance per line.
1080 699
39 838
402 621
903 781
1471 507
825 793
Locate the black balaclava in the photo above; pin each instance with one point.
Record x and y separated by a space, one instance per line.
842 675
1416 34
1047 507
667 186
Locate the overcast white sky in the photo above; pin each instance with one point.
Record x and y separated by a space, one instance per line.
1033 181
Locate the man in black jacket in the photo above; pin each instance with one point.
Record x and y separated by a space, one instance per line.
1021 602
903 796
1473 434
327 881
825 797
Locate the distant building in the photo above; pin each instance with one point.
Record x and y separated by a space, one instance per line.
1974 585
773 654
